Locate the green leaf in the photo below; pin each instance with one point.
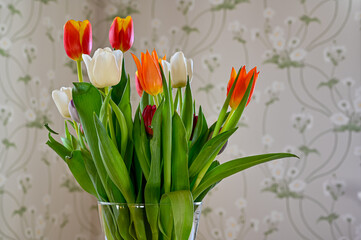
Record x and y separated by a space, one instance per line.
62 151
144 101
77 167
118 90
209 150
153 186
88 101
123 128
49 129
187 112
205 192
103 114
166 134
141 143
223 112
201 127
229 168
180 179
113 162
181 210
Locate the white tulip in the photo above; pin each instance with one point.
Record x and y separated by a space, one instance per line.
180 68
62 98
105 68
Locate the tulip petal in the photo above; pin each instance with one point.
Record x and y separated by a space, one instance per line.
71 40
89 63
190 69
178 66
61 101
105 71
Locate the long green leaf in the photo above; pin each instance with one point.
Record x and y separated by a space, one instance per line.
167 134
123 128
182 212
210 149
180 179
62 151
187 112
77 167
88 101
153 185
114 163
141 142
229 168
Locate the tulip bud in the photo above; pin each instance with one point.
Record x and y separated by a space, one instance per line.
149 74
148 114
137 85
77 38
62 99
105 68
180 68
121 33
73 112
240 89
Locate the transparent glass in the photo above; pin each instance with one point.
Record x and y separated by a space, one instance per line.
122 221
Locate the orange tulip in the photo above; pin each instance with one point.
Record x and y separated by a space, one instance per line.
121 33
241 85
149 73
77 38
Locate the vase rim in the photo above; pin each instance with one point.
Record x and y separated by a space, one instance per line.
139 205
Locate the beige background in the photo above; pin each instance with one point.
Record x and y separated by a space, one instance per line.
307 101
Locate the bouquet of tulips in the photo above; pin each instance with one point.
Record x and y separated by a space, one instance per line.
165 154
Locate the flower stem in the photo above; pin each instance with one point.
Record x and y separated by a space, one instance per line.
80 73
156 101
179 92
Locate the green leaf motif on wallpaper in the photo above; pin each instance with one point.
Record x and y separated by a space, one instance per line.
72 65
4 53
13 10
330 83
71 186
26 79
228 5
330 218
20 211
270 231
206 211
351 126
307 19
207 88
281 191
8 144
283 62
47 1
306 150
188 29
239 39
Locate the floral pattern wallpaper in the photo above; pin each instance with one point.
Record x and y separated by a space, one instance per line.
307 101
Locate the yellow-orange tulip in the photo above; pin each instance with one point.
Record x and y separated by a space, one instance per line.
77 38
121 33
244 79
149 73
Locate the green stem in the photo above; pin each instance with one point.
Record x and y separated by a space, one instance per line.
180 103
156 101
80 73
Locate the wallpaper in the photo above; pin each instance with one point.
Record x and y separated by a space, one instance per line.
307 101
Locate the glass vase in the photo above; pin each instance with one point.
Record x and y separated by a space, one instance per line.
122 221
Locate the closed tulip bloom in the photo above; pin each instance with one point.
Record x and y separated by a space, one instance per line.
77 38
105 68
148 114
73 112
121 33
149 73
62 99
241 85
166 68
137 85
180 68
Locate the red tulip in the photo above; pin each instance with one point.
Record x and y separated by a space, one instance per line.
195 120
121 33
244 79
137 85
148 114
77 38
149 74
